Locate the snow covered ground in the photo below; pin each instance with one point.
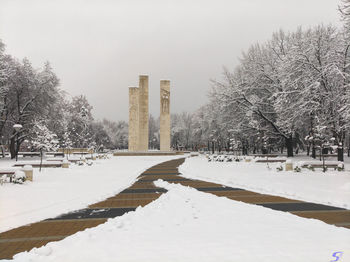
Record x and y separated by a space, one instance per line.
330 188
57 190
187 225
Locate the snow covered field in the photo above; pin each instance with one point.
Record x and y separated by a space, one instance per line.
330 188
57 190
187 225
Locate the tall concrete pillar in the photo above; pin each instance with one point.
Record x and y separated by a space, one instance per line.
143 113
133 118
164 115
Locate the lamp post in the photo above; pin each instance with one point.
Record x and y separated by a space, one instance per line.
17 128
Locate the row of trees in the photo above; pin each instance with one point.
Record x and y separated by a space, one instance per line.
36 114
291 92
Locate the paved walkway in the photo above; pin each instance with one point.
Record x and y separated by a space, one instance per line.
141 193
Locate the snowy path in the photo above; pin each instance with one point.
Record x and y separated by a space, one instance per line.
187 225
215 228
56 190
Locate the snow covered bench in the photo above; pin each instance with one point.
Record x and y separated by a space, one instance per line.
270 161
55 154
319 164
75 160
55 159
264 155
6 173
36 164
12 172
80 153
31 154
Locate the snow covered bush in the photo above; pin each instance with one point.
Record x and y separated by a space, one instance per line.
340 167
310 167
297 168
279 168
19 177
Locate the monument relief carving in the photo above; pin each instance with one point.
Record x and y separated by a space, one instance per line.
165 101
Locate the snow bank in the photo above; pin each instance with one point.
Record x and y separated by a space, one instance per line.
330 188
58 190
187 225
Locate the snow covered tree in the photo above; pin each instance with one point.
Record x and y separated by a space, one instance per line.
344 9
182 130
117 132
79 118
153 134
42 138
100 138
31 94
307 70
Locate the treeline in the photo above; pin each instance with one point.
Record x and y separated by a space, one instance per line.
291 92
35 114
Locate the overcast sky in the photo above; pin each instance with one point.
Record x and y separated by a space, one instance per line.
99 47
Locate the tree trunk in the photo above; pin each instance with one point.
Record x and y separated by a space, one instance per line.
13 147
2 151
289 146
41 159
308 150
244 151
313 155
340 151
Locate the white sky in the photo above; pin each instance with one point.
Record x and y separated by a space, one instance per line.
99 47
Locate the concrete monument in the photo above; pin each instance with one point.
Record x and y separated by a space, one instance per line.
139 116
164 115
133 118
143 114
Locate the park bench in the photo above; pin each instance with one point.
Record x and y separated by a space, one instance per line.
327 155
8 173
30 154
270 161
37 164
55 154
264 155
320 165
72 160
80 153
6 154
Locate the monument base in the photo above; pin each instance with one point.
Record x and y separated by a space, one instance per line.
149 153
